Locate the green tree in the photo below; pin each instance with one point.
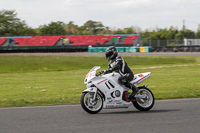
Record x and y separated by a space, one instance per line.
174 31
11 25
106 30
118 31
72 29
189 34
166 34
92 27
129 30
179 35
146 34
54 28
197 34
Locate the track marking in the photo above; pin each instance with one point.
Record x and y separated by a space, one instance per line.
78 105
37 107
157 67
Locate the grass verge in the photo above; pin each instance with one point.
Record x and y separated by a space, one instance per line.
53 80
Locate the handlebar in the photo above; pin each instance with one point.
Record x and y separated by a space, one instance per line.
101 72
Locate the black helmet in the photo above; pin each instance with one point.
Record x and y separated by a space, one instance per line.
111 53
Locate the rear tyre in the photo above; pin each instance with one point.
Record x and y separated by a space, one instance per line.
89 105
144 104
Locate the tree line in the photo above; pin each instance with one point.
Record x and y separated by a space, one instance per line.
11 25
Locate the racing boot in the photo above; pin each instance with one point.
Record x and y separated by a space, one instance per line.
134 92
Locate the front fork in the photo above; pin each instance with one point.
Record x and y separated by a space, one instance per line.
92 90
95 95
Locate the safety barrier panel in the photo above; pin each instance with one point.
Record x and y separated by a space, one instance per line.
120 49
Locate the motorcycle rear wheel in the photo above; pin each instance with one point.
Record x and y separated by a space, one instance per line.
144 104
89 105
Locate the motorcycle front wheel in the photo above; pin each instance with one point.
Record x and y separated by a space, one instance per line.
146 103
89 105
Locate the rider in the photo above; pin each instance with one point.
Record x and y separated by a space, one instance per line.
118 65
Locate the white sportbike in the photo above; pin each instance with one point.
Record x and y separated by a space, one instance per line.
105 92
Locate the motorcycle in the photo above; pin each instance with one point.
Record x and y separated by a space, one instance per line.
105 92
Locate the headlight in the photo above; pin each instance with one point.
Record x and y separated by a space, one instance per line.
86 83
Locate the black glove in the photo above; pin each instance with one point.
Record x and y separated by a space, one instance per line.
100 73
105 71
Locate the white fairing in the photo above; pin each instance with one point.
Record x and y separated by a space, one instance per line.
91 74
139 78
109 86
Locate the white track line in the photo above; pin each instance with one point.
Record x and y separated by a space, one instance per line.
35 107
78 105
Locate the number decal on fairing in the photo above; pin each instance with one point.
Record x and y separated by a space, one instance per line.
140 75
91 74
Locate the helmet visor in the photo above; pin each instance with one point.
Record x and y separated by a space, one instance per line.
108 55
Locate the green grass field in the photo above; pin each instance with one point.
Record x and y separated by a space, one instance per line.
53 80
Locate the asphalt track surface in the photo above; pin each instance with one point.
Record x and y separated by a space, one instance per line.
167 116
103 54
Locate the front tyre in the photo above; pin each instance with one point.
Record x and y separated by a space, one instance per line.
145 103
89 105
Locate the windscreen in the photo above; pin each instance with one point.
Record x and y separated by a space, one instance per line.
91 74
